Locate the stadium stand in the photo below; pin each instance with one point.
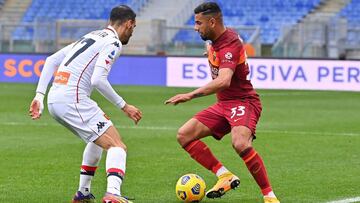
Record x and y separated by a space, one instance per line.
2 2
50 10
160 15
270 16
258 22
351 13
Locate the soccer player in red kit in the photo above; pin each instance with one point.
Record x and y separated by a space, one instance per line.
237 110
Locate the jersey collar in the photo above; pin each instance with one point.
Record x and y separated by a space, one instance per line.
112 30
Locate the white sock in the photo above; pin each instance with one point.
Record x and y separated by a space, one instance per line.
221 171
270 194
91 158
115 167
85 184
113 185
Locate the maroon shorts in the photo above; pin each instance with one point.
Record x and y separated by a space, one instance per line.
222 116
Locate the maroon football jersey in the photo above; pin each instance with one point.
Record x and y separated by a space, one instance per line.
228 52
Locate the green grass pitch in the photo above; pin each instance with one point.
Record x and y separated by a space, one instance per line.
309 140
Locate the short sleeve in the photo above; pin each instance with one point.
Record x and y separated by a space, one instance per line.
108 54
228 58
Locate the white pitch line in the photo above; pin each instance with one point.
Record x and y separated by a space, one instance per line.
307 132
286 94
36 123
349 200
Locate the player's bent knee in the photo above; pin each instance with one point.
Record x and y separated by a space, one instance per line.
181 138
107 141
107 146
240 145
122 145
184 137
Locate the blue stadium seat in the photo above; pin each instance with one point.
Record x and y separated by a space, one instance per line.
69 9
351 13
270 16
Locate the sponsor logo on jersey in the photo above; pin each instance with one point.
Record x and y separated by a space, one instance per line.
228 58
228 55
61 77
227 61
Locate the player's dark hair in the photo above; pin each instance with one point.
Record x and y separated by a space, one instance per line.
121 14
208 8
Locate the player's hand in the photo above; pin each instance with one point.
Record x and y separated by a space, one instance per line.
132 112
179 98
36 108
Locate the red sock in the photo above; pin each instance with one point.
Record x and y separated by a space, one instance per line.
202 154
257 169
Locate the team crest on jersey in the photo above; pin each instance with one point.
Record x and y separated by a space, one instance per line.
228 55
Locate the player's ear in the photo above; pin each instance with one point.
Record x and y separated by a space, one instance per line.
129 24
212 21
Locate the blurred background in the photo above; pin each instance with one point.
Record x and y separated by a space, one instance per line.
272 28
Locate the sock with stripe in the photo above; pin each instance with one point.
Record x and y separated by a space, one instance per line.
91 158
115 168
201 153
257 169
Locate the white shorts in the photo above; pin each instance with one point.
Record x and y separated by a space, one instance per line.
84 119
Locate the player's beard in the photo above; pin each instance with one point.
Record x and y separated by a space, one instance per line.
204 37
125 41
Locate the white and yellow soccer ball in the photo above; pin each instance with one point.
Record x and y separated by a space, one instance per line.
190 188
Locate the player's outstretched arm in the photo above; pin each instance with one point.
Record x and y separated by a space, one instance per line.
179 98
221 82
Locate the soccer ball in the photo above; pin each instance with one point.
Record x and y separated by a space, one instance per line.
190 188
